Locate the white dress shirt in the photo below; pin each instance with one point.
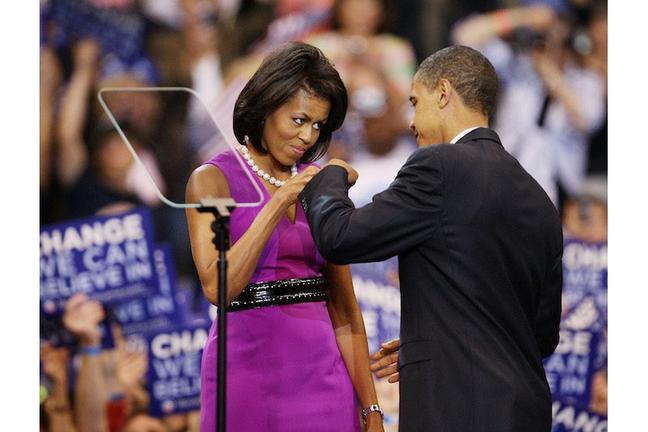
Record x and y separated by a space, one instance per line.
462 134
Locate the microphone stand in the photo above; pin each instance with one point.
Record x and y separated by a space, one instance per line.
220 208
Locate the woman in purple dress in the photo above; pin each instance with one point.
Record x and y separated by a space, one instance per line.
297 357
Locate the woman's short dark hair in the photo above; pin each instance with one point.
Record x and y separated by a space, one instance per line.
282 74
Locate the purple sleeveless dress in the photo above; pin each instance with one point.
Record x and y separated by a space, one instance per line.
284 370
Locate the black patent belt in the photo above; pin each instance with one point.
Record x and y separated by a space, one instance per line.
281 292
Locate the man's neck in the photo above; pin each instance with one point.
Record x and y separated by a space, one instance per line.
463 121
462 134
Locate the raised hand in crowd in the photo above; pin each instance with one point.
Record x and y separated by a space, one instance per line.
86 54
202 56
546 56
72 153
385 361
548 69
130 365
480 29
200 35
57 405
50 80
536 54
82 317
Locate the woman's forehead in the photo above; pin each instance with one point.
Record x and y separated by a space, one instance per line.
308 102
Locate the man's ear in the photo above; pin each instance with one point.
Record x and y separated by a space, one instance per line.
445 90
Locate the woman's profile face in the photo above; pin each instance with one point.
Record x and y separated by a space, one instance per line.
295 127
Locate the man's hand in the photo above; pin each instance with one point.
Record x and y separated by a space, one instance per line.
82 317
352 173
385 361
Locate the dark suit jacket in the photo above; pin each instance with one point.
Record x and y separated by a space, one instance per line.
480 247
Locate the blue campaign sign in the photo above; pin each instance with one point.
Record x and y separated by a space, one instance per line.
194 307
573 418
110 258
585 315
158 310
571 367
377 290
119 31
582 349
585 273
174 369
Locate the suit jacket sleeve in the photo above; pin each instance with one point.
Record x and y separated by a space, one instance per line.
549 309
398 219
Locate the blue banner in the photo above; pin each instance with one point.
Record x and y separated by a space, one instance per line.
572 418
158 310
582 350
377 289
571 367
110 258
585 273
174 369
194 307
119 31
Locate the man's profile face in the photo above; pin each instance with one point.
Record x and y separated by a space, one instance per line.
426 121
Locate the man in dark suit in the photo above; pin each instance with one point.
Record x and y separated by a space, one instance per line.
479 246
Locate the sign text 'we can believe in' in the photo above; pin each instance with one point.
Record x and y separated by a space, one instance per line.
109 258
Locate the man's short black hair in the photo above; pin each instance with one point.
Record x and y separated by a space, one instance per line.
468 71
282 74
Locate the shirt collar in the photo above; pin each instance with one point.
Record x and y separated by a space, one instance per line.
462 134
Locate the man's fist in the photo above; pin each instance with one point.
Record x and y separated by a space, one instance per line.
352 173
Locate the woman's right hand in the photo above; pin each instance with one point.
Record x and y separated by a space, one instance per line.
288 193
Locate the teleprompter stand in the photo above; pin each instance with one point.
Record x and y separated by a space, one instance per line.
220 208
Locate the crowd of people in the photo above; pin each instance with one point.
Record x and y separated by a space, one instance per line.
550 57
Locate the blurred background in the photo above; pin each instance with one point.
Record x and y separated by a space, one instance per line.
551 57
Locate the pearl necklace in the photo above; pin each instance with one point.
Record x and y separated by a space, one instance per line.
264 175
